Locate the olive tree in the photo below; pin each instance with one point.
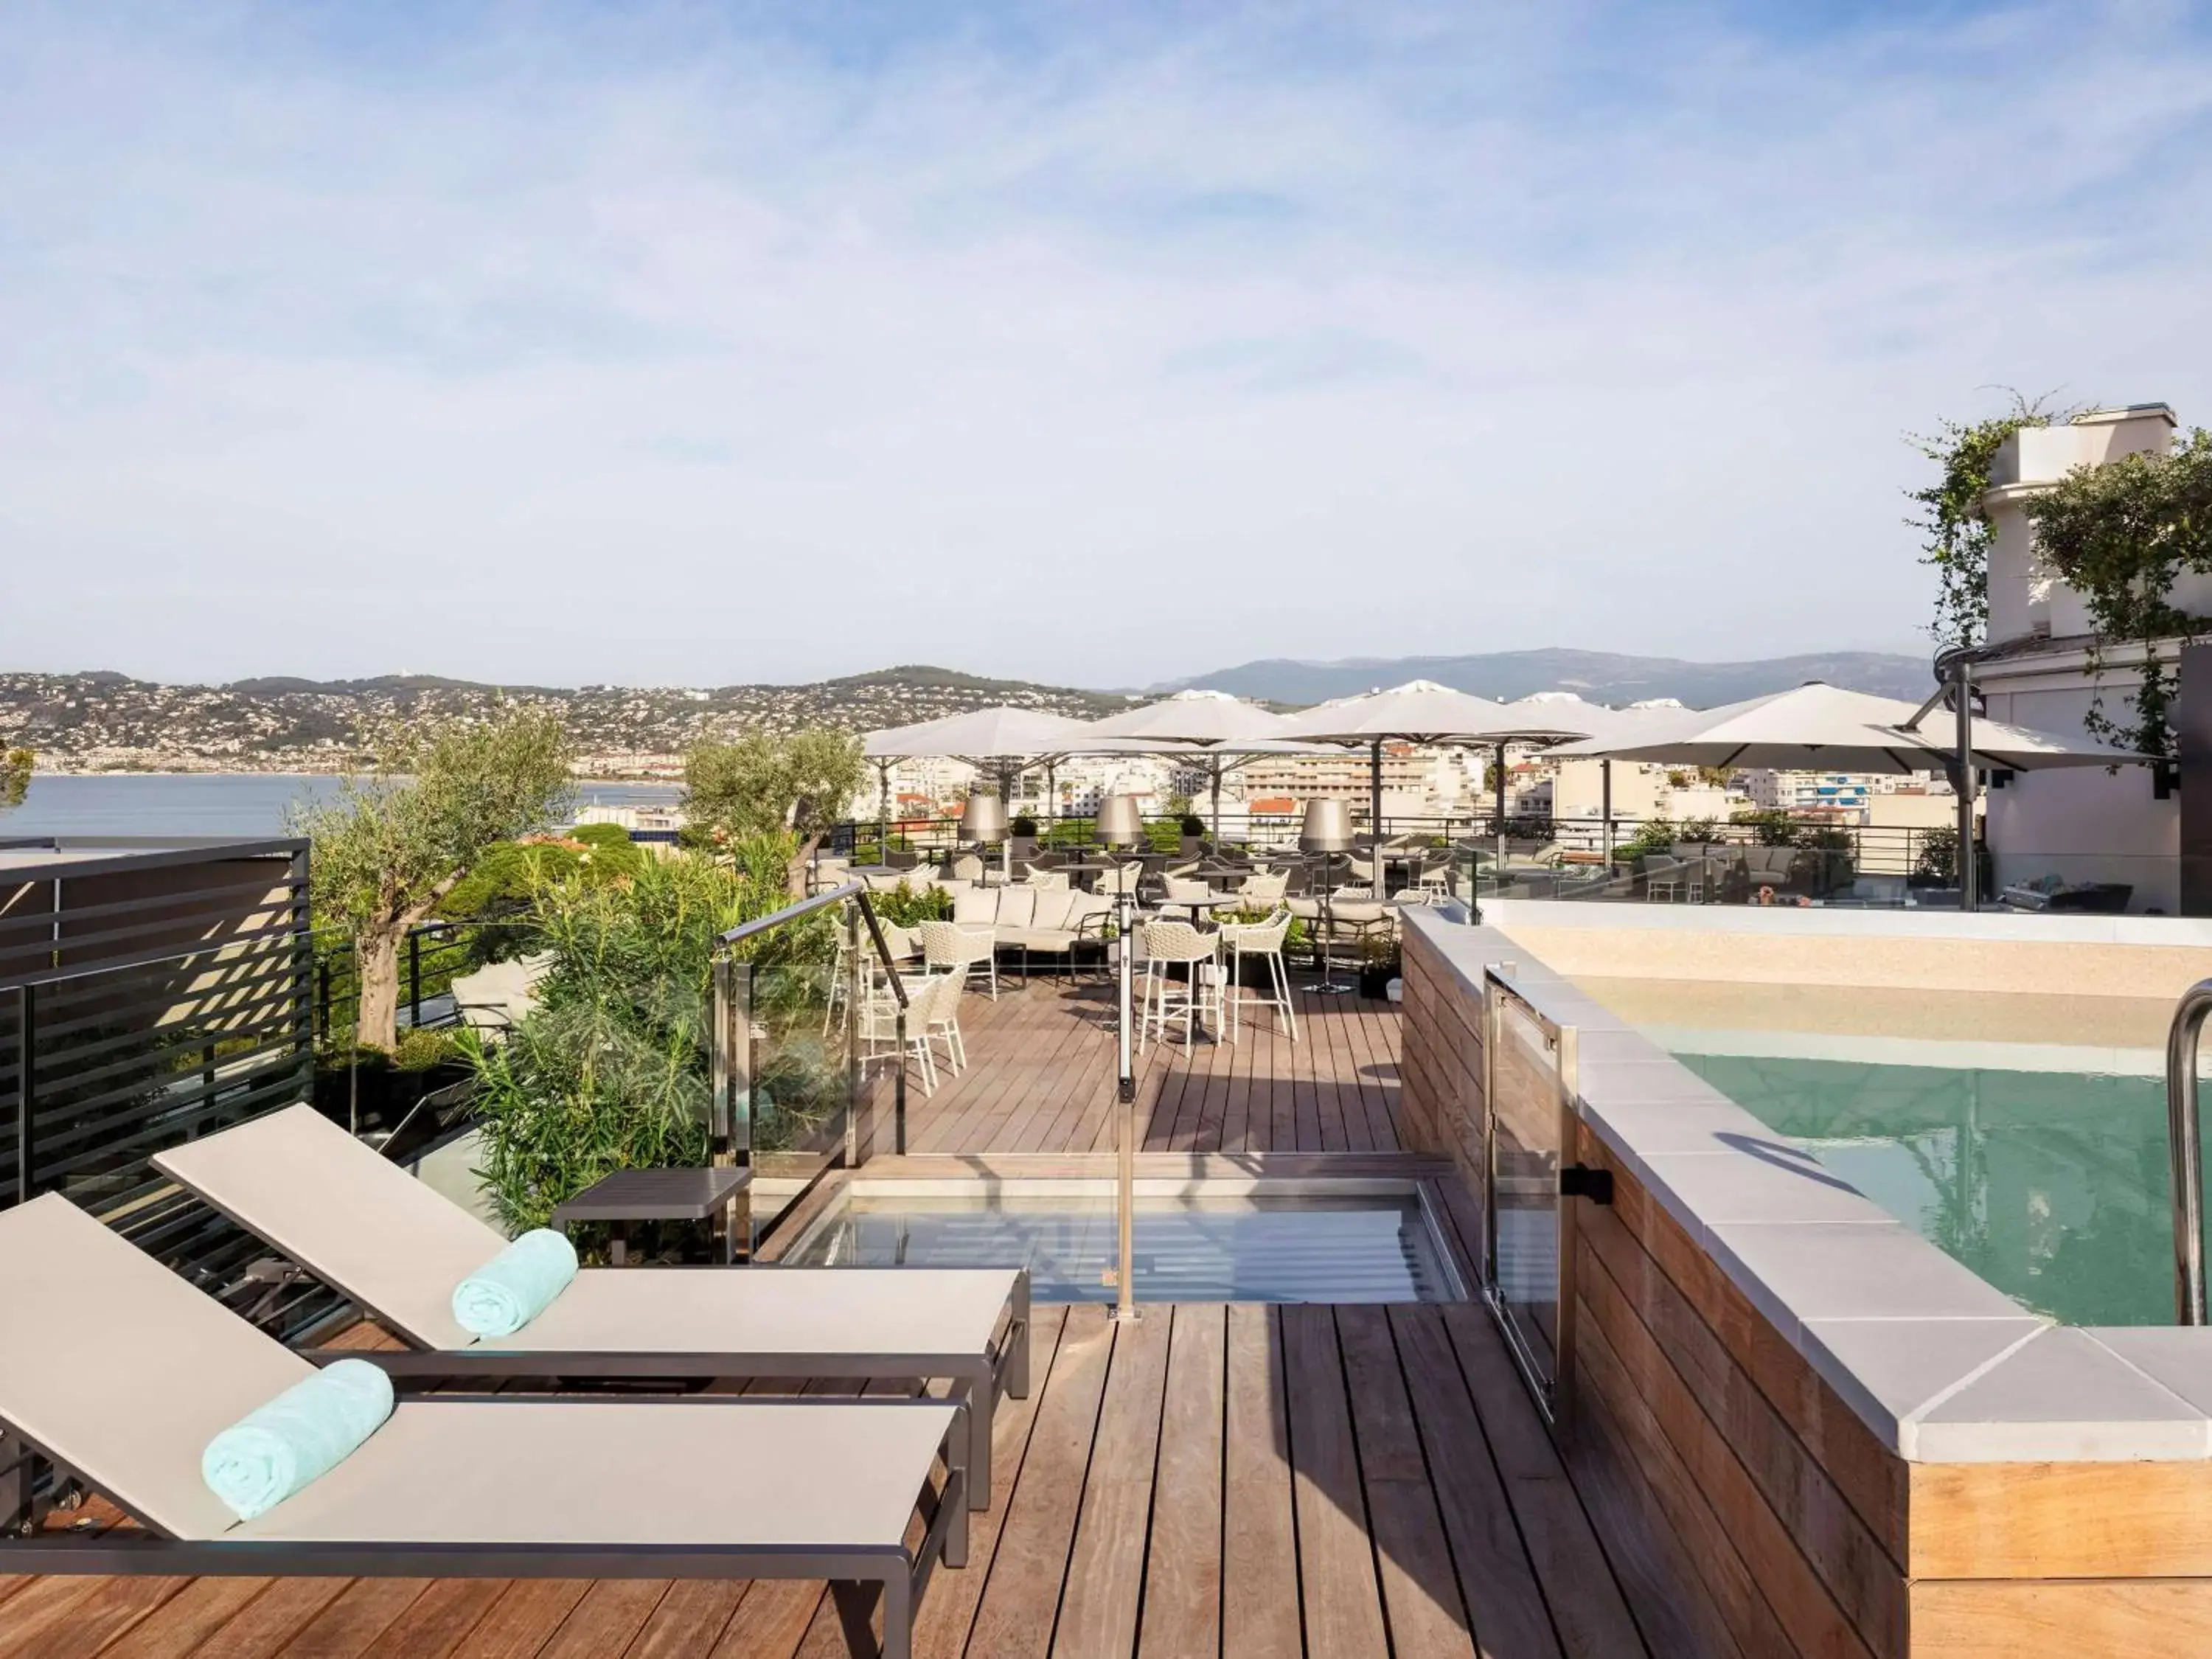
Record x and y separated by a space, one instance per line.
15 766
394 841
765 783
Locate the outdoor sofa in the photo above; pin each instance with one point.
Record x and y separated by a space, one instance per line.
1045 920
362 1225
117 1372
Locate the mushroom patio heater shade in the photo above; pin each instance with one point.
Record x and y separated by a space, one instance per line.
1119 822
983 820
1327 829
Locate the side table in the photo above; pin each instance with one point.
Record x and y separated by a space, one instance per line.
628 1195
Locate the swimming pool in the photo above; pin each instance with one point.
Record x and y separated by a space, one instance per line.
2023 1135
1303 1247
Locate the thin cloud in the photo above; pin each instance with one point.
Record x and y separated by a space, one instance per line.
690 345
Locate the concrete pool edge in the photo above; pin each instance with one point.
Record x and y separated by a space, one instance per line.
1938 1365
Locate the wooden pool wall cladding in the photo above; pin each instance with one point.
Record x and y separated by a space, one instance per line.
1748 1508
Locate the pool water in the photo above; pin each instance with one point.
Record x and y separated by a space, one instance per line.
1265 1248
2051 1185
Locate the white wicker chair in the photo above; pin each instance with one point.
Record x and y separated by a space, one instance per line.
1167 943
960 947
1261 941
940 1020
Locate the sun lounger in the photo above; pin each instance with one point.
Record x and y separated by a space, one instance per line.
361 1224
119 1373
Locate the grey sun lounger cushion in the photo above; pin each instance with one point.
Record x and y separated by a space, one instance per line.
363 1224
120 1370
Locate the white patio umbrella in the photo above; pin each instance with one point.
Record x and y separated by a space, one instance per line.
1210 729
1419 711
1825 726
1002 739
1818 726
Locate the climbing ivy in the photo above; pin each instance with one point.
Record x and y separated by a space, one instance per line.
2120 534
1949 513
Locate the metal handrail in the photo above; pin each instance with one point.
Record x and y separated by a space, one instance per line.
806 907
2183 1143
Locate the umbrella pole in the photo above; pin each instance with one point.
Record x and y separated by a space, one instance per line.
1374 803
1497 815
1604 811
1218 769
883 812
1962 780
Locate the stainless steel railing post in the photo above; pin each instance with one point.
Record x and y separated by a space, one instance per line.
1125 1134
2183 1145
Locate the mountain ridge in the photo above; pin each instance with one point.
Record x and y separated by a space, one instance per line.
1601 676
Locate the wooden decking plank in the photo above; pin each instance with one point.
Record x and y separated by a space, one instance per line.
43 1605
1504 1602
63 1626
607 1619
1421 1592
355 1617
435 1622
524 1620
187 1620
1259 1541
948 1610
1182 1573
272 1618
1336 1563
1302 1131
1587 1610
1022 1598
1099 1609
689 1620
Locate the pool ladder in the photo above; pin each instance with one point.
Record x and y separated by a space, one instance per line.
2183 1143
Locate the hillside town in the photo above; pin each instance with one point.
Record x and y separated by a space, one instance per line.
106 722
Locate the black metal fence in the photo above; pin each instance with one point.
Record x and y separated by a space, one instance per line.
103 1065
1532 856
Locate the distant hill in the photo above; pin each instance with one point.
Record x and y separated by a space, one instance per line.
1601 676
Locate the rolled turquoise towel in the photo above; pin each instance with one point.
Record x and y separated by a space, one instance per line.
516 1286
303 1433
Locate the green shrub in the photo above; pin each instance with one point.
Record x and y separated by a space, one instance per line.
610 1070
1769 827
909 907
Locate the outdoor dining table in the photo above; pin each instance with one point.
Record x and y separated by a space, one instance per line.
1205 901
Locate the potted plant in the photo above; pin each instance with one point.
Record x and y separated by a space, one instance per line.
1024 831
1379 963
1193 835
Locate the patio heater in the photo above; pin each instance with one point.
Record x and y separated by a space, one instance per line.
1325 832
1120 825
982 821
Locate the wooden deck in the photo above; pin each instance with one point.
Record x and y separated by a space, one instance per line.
1223 1482
1042 1078
1342 1483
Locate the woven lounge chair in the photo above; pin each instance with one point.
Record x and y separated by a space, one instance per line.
119 1373
363 1225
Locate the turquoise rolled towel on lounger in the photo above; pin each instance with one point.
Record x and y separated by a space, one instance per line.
516 1286
304 1432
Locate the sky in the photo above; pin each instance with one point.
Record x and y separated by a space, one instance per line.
1094 344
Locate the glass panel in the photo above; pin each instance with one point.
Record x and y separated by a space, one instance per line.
794 1090
1524 1105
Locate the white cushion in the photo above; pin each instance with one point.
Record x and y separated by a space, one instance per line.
975 904
1054 905
1016 906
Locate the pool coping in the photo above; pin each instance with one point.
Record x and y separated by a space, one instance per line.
1940 1364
